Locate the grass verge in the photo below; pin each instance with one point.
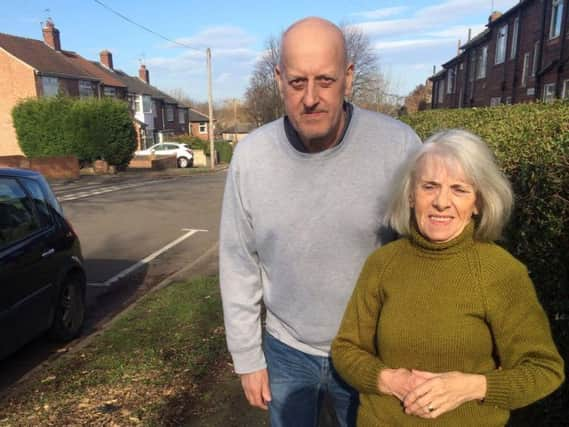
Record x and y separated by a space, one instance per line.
159 364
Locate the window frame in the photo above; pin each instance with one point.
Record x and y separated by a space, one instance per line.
525 70
50 83
169 113
85 89
482 63
515 34
546 97
203 128
565 89
501 45
556 19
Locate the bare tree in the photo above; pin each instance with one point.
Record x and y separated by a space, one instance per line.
262 98
368 79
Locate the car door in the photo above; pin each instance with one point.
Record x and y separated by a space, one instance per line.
27 270
171 149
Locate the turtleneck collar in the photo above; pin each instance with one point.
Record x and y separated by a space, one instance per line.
458 244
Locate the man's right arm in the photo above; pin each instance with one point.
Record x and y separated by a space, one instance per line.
241 290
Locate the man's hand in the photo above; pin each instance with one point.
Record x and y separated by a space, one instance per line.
256 388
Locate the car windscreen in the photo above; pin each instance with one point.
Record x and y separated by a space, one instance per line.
17 218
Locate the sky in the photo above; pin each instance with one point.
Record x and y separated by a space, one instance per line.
410 37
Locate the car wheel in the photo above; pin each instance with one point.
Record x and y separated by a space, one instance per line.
70 309
183 162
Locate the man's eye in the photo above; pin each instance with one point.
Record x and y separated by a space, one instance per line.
326 82
297 84
428 186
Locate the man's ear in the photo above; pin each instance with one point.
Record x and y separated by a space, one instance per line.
278 78
349 80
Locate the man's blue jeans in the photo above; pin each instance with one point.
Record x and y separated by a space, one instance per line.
298 383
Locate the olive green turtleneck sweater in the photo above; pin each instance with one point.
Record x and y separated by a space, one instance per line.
447 307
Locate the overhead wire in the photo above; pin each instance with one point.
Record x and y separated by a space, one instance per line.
145 28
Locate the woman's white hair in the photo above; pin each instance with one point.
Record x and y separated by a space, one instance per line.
494 196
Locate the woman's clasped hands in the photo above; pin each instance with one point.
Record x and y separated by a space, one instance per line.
428 394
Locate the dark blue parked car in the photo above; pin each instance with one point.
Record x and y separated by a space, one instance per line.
42 280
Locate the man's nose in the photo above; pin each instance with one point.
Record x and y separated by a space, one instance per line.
311 98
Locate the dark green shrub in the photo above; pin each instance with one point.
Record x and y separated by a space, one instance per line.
225 151
531 143
88 129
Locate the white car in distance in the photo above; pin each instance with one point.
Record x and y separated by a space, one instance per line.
184 154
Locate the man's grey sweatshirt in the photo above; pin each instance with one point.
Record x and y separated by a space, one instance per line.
296 229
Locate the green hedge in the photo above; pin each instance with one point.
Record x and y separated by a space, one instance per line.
89 129
531 143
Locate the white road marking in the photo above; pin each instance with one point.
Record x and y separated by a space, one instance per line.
83 194
148 259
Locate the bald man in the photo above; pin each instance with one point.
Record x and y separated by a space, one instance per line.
303 208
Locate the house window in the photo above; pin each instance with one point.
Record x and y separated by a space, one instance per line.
535 58
548 92
440 91
170 113
85 89
565 92
525 70
482 62
155 110
514 49
50 86
203 127
495 100
501 42
450 80
147 103
509 100
556 17
110 91
181 117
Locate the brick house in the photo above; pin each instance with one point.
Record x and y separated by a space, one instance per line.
199 124
157 114
34 68
521 56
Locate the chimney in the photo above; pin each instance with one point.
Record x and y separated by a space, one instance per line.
51 35
106 59
493 16
469 34
458 47
143 74
434 70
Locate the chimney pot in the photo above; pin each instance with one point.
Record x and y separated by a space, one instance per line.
143 74
106 59
51 35
493 16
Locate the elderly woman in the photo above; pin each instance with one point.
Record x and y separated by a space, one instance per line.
444 324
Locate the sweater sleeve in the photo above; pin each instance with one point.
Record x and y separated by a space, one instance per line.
353 350
530 365
240 281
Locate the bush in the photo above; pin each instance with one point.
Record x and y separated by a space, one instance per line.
89 129
531 143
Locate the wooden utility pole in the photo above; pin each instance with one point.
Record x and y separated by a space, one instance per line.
210 102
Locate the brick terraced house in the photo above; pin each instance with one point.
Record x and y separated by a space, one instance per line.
35 68
522 56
